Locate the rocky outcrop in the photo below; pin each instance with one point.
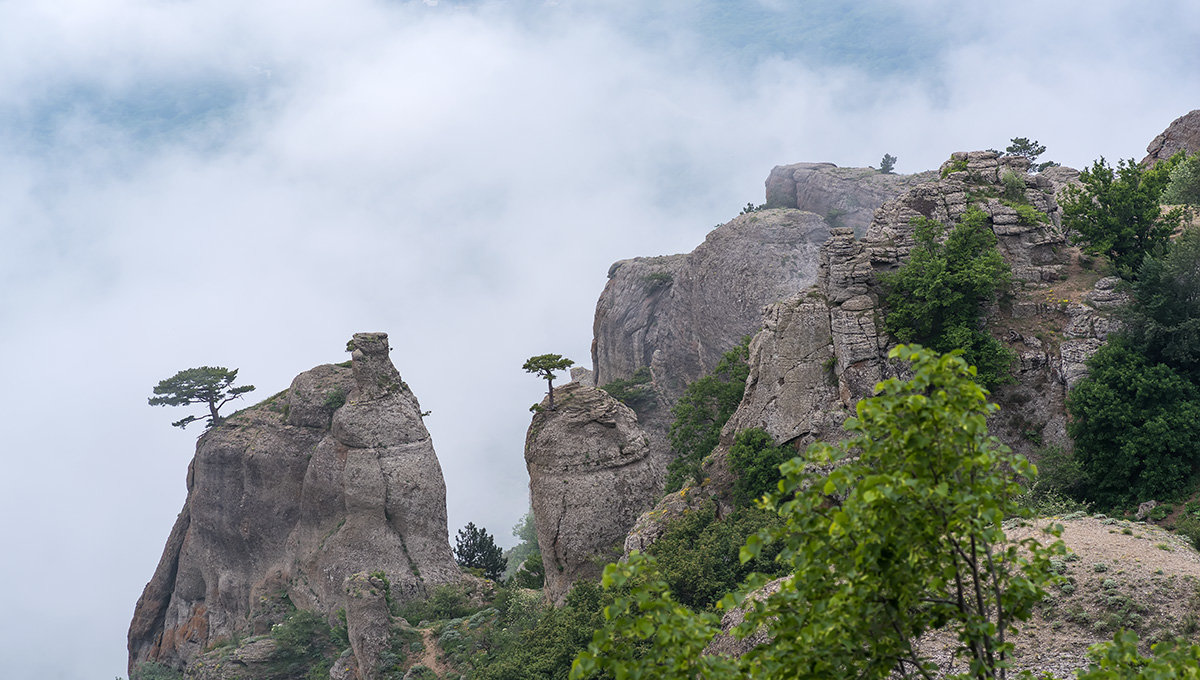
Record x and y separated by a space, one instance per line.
823 349
290 498
845 197
590 476
1183 134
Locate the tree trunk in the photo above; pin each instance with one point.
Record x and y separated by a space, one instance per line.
550 382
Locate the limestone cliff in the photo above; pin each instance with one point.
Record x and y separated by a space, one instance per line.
290 498
823 349
1183 134
590 476
845 197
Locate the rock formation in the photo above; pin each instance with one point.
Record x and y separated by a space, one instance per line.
823 349
1183 134
845 197
590 476
289 499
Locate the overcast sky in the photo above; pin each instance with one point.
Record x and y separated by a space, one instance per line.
247 184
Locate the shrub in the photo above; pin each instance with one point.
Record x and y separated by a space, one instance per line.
1116 213
935 298
335 399
755 460
153 670
636 391
699 415
887 164
1184 185
474 548
1014 186
1136 427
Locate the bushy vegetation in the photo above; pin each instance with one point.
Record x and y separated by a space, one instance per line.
936 297
755 459
306 646
636 391
524 560
152 670
699 415
904 536
698 554
1116 213
1136 418
1184 185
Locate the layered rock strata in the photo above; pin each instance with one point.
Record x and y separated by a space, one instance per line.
590 476
289 499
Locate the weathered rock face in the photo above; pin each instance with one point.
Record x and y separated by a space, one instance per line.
333 477
1183 134
679 314
845 197
824 349
590 476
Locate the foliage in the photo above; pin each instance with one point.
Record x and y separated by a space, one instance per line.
750 208
658 280
1021 146
446 602
1163 324
153 670
935 297
304 641
1029 215
887 164
1014 186
1121 660
956 165
698 554
902 537
546 365
636 391
335 399
1184 185
702 411
755 460
209 385
1136 426
529 640
474 548
531 573
527 544
1116 213
1059 483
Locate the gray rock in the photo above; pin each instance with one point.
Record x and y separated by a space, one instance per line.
368 621
285 500
1144 509
1183 134
845 197
590 476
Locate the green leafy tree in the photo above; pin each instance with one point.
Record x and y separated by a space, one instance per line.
525 531
474 548
1184 186
936 297
210 385
699 415
1136 426
904 536
887 164
636 391
1163 323
546 365
1116 213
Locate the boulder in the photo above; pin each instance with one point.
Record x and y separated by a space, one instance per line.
590 476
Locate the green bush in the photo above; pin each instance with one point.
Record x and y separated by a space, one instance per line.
304 642
446 602
1116 213
636 391
1184 185
1136 427
699 415
935 298
1014 186
153 670
1189 528
755 460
